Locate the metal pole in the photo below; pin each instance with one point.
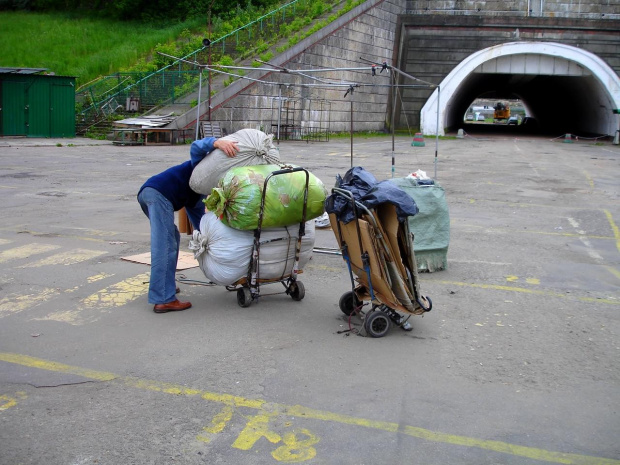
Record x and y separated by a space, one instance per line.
351 131
393 81
437 130
209 62
279 109
198 106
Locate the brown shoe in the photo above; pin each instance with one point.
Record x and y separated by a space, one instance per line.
174 306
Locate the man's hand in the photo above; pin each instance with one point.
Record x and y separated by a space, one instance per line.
229 147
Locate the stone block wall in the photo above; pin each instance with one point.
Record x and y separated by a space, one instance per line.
365 33
597 9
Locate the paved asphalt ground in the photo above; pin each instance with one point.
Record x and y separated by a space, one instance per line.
517 363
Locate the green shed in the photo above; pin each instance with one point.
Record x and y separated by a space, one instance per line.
36 105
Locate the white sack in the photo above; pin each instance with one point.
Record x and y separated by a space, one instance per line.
255 148
224 253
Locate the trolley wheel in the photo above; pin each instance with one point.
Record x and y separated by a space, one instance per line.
349 303
297 290
430 304
377 323
244 297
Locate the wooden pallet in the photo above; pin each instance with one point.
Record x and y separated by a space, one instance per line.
211 129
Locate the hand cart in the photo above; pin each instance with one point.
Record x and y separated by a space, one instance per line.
248 288
378 250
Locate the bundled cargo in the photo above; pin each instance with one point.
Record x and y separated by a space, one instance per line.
224 253
238 197
255 148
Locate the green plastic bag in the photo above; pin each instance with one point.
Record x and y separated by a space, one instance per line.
237 199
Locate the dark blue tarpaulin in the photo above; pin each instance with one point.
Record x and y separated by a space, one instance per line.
370 193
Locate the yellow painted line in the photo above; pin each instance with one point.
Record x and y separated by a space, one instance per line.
7 402
68 236
299 411
529 291
323 268
117 295
614 228
4 241
17 303
66 258
526 231
98 277
26 251
613 271
589 178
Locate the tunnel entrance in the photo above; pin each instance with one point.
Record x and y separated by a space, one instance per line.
563 89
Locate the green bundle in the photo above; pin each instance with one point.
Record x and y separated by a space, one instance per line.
237 199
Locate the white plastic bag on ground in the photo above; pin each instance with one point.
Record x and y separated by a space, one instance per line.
224 253
255 148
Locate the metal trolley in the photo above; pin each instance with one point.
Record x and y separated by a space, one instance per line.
248 288
380 258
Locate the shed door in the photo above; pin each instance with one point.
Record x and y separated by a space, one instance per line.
62 111
13 108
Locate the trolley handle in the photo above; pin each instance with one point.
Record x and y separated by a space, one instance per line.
287 170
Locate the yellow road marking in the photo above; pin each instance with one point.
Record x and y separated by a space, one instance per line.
529 231
528 291
98 277
613 271
614 228
66 258
589 178
69 236
18 303
4 241
6 401
120 293
310 413
26 251
323 268
117 295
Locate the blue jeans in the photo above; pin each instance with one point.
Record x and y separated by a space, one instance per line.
165 240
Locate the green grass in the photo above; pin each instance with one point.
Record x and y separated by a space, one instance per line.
82 47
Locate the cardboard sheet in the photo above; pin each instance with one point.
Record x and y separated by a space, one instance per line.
186 260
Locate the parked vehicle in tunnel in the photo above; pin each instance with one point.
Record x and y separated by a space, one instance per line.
502 112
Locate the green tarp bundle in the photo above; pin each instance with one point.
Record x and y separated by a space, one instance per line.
237 199
430 226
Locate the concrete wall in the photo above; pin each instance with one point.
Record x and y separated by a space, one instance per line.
599 9
427 43
367 31
433 45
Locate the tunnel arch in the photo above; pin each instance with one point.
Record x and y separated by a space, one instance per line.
569 89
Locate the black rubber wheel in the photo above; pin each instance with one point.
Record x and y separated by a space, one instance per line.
297 290
377 323
244 297
348 303
430 304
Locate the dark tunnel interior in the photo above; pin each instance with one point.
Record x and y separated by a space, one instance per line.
556 104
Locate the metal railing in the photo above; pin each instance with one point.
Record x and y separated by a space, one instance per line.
122 92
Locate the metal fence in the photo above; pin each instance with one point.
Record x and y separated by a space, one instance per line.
121 93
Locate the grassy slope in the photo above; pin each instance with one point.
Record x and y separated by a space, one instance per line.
82 47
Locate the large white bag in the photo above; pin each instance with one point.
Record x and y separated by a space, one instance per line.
224 253
255 148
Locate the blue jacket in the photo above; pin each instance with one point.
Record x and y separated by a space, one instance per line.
174 182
